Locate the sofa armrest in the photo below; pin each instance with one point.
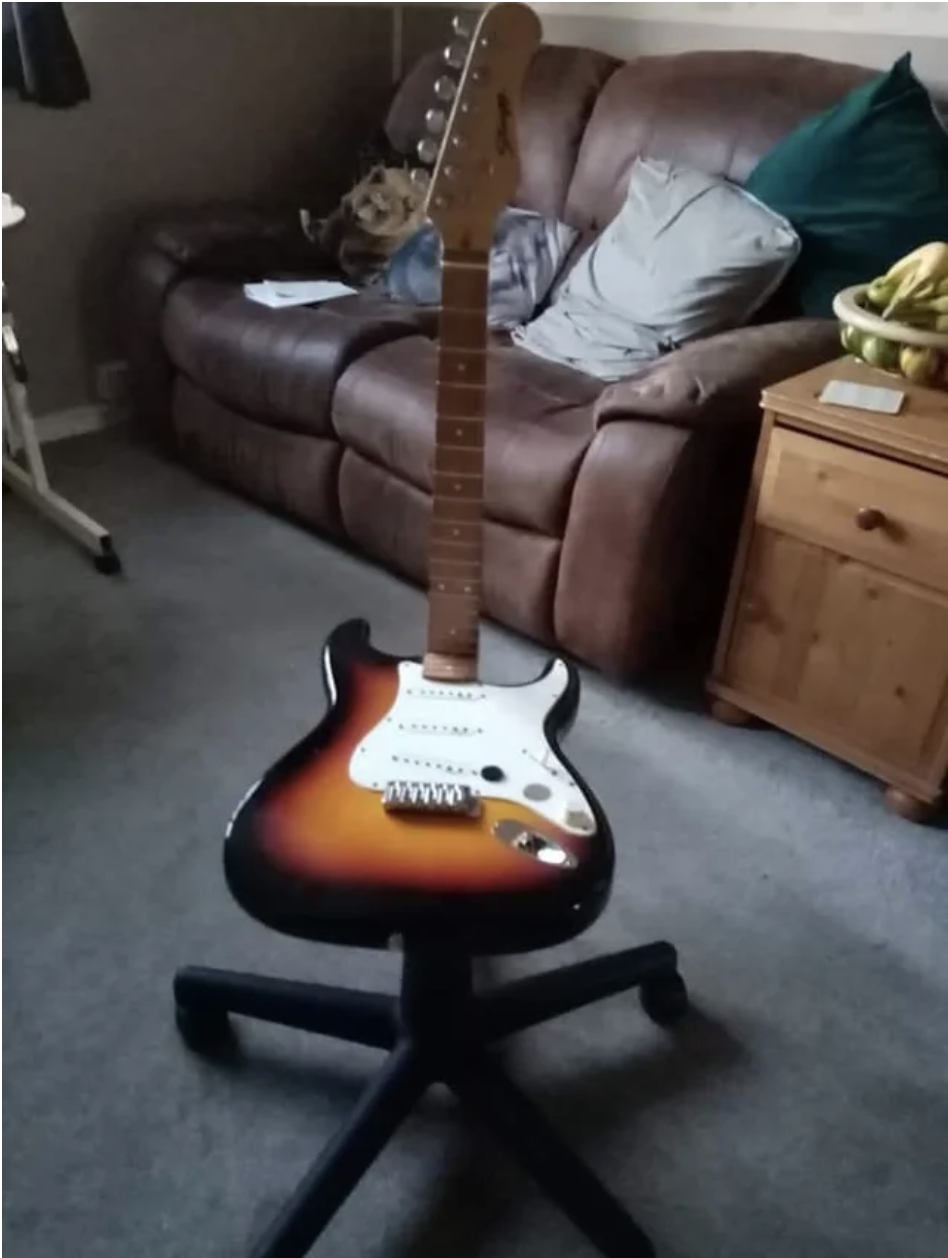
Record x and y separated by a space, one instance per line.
719 380
234 240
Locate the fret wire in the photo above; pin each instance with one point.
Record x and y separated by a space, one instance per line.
456 530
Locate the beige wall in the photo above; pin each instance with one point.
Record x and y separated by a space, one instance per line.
866 34
191 102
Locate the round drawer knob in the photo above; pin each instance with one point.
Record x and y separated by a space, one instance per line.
869 518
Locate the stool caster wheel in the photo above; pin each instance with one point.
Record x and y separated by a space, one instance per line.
665 998
108 562
205 1031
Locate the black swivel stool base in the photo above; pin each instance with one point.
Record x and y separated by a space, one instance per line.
438 1030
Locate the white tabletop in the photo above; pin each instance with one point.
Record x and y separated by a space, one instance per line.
12 213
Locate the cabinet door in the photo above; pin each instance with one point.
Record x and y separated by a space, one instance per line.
857 653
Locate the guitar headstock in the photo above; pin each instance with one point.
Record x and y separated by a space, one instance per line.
472 142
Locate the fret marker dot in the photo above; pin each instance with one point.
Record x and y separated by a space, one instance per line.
459 432
457 486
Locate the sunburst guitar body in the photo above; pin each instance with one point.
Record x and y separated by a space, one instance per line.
420 807
427 801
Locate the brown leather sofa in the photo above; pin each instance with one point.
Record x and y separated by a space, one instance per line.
611 511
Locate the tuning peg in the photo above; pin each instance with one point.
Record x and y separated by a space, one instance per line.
455 55
435 120
461 27
428 150
420 177
445 88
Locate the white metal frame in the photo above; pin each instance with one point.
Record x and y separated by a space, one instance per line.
28 478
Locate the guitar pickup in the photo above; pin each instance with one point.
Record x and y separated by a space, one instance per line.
441 798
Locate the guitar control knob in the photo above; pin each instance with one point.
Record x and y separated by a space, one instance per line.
580 819
492 773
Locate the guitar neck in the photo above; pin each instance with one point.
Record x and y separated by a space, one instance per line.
455 554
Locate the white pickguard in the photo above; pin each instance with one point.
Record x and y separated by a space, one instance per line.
438 732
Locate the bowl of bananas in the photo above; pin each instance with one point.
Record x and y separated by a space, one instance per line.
899 322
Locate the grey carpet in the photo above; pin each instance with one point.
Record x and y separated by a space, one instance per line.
802 1114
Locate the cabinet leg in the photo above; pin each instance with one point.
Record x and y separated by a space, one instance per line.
908 806
729 713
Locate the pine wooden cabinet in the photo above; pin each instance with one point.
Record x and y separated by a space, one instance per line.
836 626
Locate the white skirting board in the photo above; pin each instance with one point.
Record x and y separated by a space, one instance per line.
74 421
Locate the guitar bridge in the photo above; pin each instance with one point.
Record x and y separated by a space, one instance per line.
446 799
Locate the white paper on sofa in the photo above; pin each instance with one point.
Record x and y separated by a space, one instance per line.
279 293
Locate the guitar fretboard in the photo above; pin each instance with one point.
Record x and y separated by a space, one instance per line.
456 538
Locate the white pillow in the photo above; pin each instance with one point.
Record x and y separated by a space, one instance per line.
686 256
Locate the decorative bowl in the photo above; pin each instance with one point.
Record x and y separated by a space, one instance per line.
917 354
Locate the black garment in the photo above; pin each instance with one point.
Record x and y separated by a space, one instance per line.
40 57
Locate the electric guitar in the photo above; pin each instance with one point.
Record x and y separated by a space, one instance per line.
428 802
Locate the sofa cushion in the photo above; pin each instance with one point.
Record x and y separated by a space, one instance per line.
716 111
539 421
688 255
290 472
864 183
389 519
280 366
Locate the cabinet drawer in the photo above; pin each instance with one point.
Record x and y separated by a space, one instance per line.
888 515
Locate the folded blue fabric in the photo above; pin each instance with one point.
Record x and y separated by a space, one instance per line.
526 256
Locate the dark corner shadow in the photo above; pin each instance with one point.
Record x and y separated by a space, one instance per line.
478 1190
679 683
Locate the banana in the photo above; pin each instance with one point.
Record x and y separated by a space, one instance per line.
929 268
906 265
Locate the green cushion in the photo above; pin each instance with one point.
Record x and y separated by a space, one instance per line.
864 183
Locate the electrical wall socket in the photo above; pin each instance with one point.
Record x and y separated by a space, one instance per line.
111 383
